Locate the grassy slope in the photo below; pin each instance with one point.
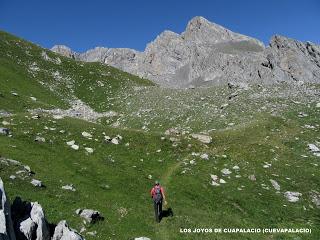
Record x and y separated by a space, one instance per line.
126 205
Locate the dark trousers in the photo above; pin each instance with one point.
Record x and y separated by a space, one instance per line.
157 210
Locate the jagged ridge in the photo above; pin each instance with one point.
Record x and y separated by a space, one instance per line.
208 54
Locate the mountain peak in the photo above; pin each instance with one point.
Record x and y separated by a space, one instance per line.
64 51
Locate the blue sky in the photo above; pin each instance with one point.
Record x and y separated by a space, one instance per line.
133 23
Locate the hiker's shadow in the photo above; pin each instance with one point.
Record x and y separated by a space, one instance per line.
166 213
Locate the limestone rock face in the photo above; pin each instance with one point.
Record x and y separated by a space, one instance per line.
64 51
6 225
27 221
208 54
63 232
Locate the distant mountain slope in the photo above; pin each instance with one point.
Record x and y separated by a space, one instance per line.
27 70
209 54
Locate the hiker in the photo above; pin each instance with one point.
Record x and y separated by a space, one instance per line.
157 194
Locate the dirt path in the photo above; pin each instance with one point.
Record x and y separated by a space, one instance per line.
161 230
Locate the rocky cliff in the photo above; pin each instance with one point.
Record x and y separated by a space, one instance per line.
26 221
208 54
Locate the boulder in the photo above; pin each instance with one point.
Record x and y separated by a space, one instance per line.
86 135
292 196
202 138
275 184
204 156
313 148
36 183
28 228
68 187
38 217
40 139
91 216
6 224
64 232
4 131
226 171
89 150
26 221
75 147
315 198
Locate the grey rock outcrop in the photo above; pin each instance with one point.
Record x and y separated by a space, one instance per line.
208 54
4 131
6 225
26 221
64 232
65 51
91 216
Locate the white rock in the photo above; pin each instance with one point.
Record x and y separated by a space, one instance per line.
204 156
107 138
226 171
37 216
222 181
69 188
5 123
313 148
40 139
33 99
63 232
142 238
275 184
318 105
28 228
236 167
115 141
70 143
36 183
86 134
89 215
4 131
75 147
214 177
214 183
89 150
202 138
94 233
6 225
292 196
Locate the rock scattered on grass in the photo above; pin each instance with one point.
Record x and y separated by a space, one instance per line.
40 139
86 135
4 131
89 150
313 148
36 183
202 138
315 198
89 215
252 177
292 196
275 184
68 187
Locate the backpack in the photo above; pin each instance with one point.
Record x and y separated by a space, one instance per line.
157 197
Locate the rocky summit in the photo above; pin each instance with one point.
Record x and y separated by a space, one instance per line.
207 54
